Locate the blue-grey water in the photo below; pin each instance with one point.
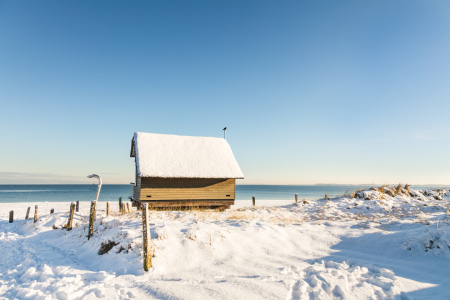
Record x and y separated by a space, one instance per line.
69 193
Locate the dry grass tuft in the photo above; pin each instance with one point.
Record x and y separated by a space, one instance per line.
106 247
407 188
355 193
398 189
390 192
382 188
189 207
237 215
192 236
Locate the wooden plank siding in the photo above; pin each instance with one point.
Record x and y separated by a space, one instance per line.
137 189
166 189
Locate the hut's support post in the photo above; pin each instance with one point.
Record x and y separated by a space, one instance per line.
107 209
128 207
72 211
145 238
78 206
120 205
35 213
253 201
28 213
11 216
52 210
91 219
296 198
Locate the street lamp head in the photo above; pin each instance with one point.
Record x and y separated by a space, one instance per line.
99 183
95 176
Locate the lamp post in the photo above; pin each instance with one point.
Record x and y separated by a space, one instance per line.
99 184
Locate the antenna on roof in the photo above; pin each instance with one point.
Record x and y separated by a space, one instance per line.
225 133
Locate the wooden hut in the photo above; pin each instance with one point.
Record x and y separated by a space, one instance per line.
181 171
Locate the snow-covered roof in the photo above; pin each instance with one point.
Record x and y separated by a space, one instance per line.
174 156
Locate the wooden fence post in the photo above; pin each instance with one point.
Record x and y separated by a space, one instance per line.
28 213
107 209
254 201
35 213
296 198
128 207
72 211
78 206
91 219
52 210
145 239
123 209
120 205
11 216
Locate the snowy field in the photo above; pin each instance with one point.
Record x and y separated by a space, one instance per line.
389 243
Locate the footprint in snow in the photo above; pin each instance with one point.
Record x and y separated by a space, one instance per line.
331 280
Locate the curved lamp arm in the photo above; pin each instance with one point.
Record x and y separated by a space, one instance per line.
99 184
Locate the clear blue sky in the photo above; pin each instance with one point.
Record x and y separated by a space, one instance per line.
311 91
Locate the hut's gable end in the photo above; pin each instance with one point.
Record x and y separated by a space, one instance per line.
133 150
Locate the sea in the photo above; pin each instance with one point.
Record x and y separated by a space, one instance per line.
111 192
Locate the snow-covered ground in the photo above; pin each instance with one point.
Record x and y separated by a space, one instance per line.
378 244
